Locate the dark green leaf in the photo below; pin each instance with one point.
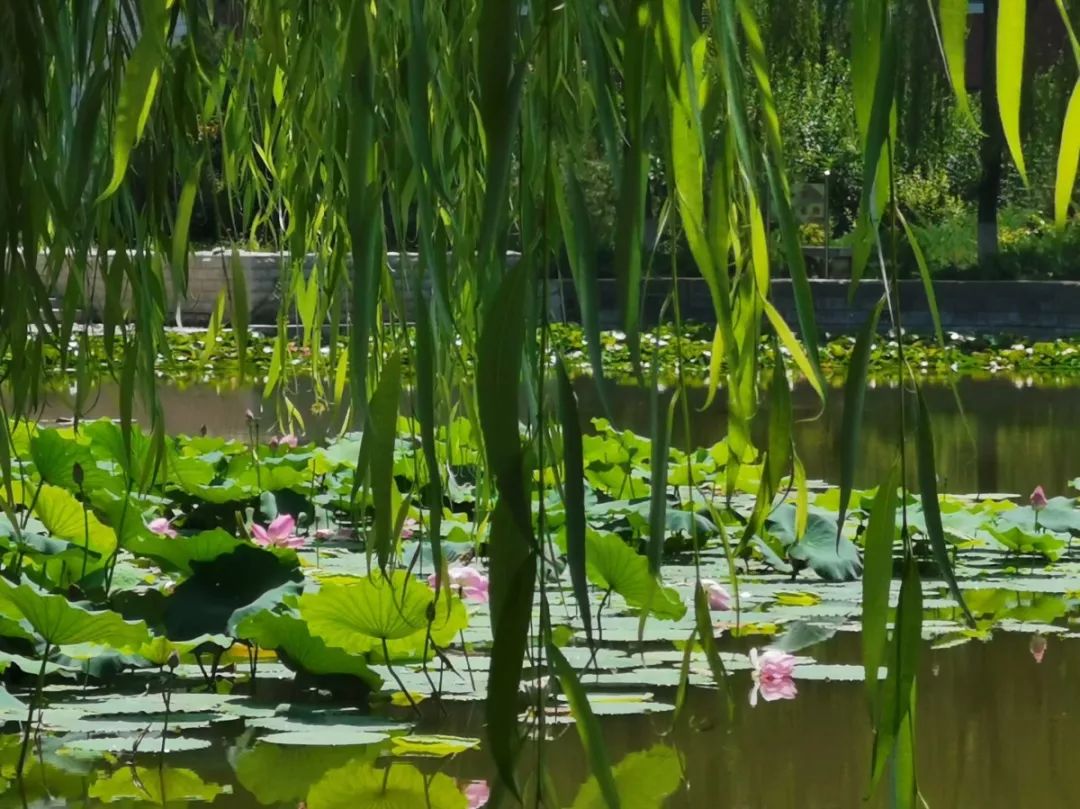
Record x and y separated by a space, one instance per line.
931 507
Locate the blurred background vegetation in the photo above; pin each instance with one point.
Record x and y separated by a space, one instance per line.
940 168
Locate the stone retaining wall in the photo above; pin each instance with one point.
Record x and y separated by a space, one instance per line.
1035 309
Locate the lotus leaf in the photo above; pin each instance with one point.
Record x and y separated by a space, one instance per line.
1027 540
327 736
122 744
65 517
155 786
1060 516
818 548
179 553
10 704
612 565
208 601
359 617
55 457
278 774
433 746
60 622
299 649
400 786
644 780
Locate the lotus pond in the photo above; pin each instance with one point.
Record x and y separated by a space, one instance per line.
218 629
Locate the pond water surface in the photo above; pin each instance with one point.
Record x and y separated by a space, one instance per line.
995 727
1010 437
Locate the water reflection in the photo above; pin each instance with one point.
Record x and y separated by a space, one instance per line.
1014 438
995 730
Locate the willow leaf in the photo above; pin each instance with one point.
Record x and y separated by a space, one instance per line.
513 580
142 76
931 508
877 574
425 402
1068 157
381 431
895 703
904 783
658 469
1067 22
364 205
779 446
512 551
500 96
854 398
587 727
581 252
704 626
181 228
927 279
241 309
684 677
810 370
1011 33
878 128
954 31
574 483
630 208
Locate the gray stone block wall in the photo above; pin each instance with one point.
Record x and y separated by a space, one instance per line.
1036 309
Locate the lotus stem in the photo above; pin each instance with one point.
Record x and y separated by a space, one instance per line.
30 711
599 631
165 727
401 685
86 534
468 662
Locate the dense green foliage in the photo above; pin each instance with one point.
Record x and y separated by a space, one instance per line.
341 128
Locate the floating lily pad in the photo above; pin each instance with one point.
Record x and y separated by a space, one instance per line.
432 746
149 743
327 736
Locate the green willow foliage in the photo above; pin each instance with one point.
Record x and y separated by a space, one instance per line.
342 128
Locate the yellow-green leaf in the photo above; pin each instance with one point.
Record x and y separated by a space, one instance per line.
954 14
1068 156
1011 33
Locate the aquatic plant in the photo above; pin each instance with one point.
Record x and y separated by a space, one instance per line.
341 129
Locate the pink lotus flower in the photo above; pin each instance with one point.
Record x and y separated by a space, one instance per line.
1038 499
323 534
477 793
1037 647
772 675
289 440
162 527
280 533
468 582
719 598
409 528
